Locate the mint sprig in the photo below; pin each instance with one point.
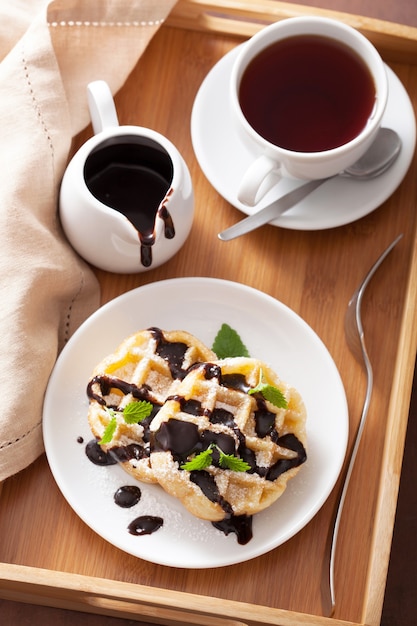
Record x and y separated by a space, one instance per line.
270 393
109 431
234 463
136 412
200 461
228 343
133 413
226 461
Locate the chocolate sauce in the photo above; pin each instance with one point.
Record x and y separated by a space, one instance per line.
235 381
248 455
133 176
172 351
164 214
183 439
106 383
212 371
291 442
145 525
130 452
208 486
264 419
127 496
222 416
192 407
98 456
241 525
179 437
225 442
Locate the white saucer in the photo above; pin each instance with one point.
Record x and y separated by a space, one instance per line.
223 157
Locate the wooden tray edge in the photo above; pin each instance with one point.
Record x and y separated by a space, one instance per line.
396 42
114 598
396 431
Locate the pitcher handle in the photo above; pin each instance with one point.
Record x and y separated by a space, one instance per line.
101 104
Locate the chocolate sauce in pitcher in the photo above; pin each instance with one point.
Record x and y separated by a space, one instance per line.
133 176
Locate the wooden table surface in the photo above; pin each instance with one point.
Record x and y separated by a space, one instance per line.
400 605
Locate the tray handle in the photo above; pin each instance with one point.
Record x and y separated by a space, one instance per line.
78 592
396 42
169 616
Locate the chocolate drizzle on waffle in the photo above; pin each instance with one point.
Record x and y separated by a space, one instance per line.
199 404
149 364
104 384
172 351
183 439
212 411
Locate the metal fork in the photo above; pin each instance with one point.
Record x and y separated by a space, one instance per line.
355 338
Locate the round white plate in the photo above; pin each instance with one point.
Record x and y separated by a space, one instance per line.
224 158
272 332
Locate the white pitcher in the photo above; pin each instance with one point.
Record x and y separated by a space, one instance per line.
126 200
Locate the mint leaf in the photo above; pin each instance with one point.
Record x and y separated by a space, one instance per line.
136 412
226 461
234 463
228 343
200 461
270 393
133 413
109 431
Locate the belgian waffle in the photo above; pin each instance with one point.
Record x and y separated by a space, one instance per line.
148 365
211 407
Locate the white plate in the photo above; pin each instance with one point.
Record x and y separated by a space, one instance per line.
271 332
224 158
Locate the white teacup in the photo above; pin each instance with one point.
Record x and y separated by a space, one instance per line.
308 95
126 200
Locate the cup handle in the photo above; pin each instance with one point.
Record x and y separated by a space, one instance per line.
259 178
101 104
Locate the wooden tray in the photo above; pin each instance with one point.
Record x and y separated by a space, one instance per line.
47 554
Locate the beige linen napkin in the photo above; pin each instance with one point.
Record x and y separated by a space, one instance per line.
49 51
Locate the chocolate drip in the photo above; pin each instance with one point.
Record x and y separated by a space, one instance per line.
235 381
290 442
172 351
106 383
192 407
127 496
98 456
226 443
181 438
145 253
264 419
212 371
131 451
248 455
208 486
222 416
145 525
241 525
169 229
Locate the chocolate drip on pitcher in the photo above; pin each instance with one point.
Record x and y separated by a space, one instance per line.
147 237
133 176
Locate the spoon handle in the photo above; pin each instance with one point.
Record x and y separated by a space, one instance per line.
270 212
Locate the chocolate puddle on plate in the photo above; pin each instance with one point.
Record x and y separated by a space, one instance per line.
128 496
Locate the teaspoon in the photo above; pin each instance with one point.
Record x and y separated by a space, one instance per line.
379 158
